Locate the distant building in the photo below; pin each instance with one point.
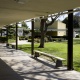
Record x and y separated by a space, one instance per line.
56 29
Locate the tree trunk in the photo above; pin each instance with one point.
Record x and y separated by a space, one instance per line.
42 40
43 29
42 33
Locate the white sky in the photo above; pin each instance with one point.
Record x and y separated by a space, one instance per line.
29 24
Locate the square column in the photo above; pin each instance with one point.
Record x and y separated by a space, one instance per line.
7 36
32 40
70 41
16 36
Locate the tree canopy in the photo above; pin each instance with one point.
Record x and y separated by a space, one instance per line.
24 25
76 21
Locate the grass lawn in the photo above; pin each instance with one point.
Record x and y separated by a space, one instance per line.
11 40
58 49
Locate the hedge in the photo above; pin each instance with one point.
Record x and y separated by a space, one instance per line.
3 39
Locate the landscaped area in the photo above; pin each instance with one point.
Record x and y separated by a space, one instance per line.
58 49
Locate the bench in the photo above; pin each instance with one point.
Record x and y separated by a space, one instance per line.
56 59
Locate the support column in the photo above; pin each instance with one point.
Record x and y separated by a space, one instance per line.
70 41
16 36
32 44
7 44
1 32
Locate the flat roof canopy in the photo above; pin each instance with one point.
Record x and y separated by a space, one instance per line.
12 11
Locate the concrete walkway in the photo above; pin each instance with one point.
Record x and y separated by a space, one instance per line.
18 65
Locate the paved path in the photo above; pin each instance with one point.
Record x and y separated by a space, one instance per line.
18 65
21 42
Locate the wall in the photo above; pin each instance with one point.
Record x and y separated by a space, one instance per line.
53 29
61 26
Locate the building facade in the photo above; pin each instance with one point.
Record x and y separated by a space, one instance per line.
56 29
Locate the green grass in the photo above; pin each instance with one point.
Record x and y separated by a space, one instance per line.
11 40
57 49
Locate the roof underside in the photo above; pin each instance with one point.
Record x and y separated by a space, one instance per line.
11 11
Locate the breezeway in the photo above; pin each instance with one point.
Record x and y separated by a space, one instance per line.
18 65
12 11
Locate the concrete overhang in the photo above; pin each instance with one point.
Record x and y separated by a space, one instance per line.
12 11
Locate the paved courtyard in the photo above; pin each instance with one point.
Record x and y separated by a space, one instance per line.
18 65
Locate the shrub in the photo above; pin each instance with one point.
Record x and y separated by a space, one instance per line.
46 39
21 38
37 40
26 38
3 39
77 36
29 40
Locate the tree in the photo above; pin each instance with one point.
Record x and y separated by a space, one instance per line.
11 31
26 29
43 28
76 21
42 33
24 25
78 14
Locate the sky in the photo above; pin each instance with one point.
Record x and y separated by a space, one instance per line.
29 24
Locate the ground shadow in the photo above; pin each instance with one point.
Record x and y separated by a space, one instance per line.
49 74
7 73
47 64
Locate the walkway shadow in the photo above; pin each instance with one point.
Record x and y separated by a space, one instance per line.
7 73
46 63
41 73
55 69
